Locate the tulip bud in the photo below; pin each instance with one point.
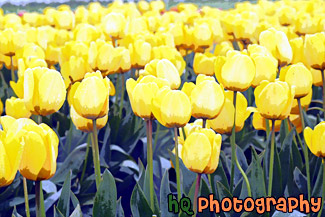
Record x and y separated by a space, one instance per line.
11 151
91 95
315 50
172 108
201 150
84 124
207 98
44 91
278 44
114 24
140 52
237 73
259 123
274 99
299 76
16 108
11 41
314 139
74 69
204 64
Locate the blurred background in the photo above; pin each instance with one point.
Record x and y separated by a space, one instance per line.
38 5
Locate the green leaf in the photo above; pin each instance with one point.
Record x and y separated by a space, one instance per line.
64 200
219 176
300 180
15 213
139 204
73 162
119 208
285 160
256 177
74 199
106 196
57 212
164 191
205 191
222 193
146 190
76 212
317 189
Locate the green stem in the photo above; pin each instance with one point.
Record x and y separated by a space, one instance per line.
233 146
40 210
323 71
95 150
271 160
122 95
178 180
150 160
86 161
305 149
26 197
13 77
249 191
156 136
197 187
323 194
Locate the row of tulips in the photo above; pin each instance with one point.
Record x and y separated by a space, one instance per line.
65 58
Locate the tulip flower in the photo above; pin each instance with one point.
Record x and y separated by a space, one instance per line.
74 69
305 101
44 91
259 123
204 64
90 101
84 124
237 73
224 122
297 45
114 24
140 52
207 97
278 44
16 108
172 108
163 69
274 101
11 151
200 154
64 20
314 140
299 76
266 68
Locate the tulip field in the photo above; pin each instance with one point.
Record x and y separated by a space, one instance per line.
145 109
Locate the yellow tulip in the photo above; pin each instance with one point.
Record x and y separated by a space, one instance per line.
30 50
314 139
274 99
18 87
157 5
297 45
114 24
81 14
38 161
278 44
73 48
222 48
163 69
32 18
317 77
141 93
64 20
84 124
237 73
305 101
306 24
315 50
244 29
189 128
90 99
266 68
52 55
31 62
224 122
140 52
124 59
286 15
170 53
202 35
259 123
74 69
11 151
11 41
143 6
204 64
16 108
86 33
207 98
201 150
44 91
299 76
172 108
